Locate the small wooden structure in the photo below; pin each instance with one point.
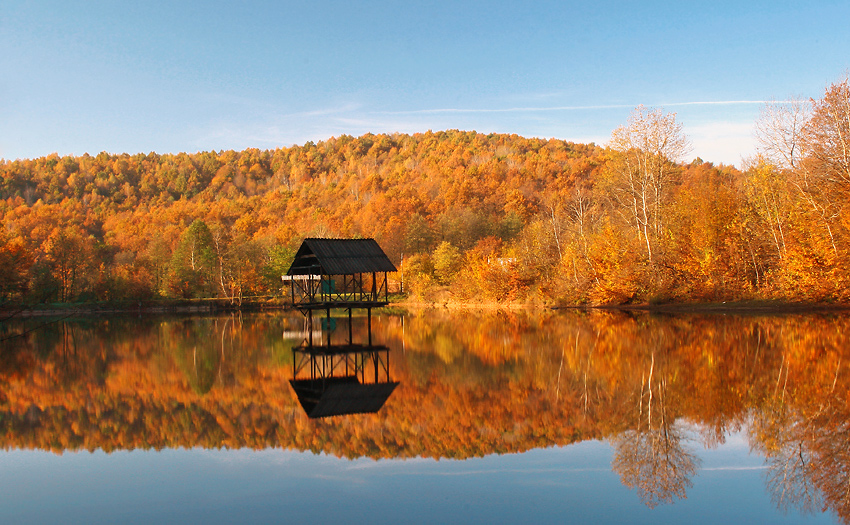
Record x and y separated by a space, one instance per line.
341 380
339 273
334 379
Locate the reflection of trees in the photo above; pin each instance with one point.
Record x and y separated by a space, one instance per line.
197 354
202 351
16 359
652 458
655 463
808 457
830 447
803 430
773 428
473 384
789 478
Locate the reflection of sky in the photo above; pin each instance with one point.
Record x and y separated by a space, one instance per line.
554 485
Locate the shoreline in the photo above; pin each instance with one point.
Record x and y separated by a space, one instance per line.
217 306
140 308
727 307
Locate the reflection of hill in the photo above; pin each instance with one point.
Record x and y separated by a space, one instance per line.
471 384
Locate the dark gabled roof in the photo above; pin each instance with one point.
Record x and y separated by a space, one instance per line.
340 257
339 396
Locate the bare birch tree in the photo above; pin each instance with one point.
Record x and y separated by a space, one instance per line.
826 139
810 143
778 132
649 145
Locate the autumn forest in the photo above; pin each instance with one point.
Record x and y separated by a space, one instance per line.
465 216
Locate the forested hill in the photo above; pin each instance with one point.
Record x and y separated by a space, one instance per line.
473 217
116 225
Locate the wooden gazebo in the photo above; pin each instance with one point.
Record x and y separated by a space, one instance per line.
339 273
333 379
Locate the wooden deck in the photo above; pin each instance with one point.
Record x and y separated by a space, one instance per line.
340 304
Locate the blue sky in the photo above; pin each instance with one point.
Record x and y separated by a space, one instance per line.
91 76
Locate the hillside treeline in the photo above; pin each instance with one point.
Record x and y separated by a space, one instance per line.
466 216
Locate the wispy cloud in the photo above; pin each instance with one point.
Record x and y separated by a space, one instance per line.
576 108
333 110
721 130
395 469
723 103
735 468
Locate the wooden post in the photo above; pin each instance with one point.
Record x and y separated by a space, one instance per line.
329 325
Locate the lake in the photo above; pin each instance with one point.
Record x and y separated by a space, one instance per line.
478 417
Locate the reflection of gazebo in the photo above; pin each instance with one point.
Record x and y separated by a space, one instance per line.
350 379
342 274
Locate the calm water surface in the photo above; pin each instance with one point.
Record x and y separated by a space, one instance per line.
498 417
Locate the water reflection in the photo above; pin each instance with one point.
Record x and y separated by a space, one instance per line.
807 447
652 456
471 384
342 379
